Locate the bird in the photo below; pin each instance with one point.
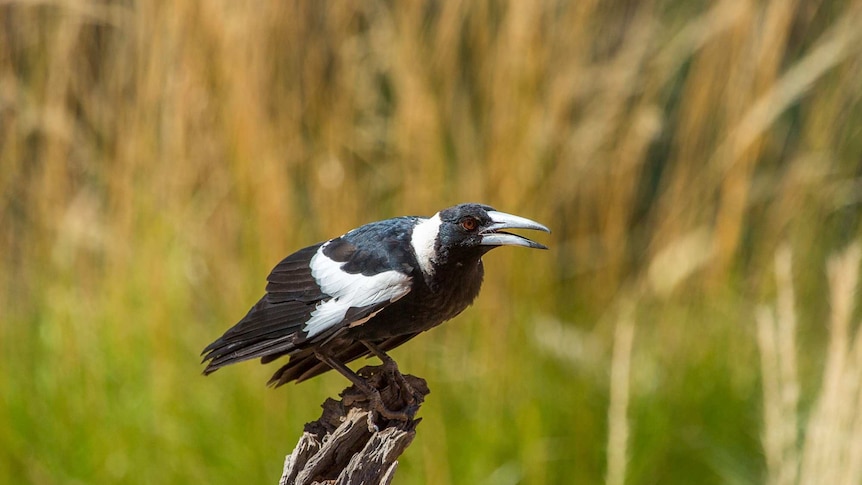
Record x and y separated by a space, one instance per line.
368 291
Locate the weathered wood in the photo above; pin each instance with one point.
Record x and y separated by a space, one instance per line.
351 444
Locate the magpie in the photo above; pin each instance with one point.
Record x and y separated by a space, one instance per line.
367 292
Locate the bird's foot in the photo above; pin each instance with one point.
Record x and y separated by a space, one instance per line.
390 368
385 397
378 410
405 390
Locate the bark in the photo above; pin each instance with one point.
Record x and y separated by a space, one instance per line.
352 444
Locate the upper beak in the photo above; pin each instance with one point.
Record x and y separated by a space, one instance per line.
492 236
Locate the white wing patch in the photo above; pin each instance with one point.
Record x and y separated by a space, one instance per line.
349 291
423 240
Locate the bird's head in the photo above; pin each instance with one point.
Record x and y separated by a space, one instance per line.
467 231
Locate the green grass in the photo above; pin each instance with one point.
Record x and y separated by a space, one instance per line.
157 160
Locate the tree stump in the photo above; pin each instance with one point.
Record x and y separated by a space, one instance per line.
351 444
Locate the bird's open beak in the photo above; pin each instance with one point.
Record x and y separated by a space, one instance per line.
493 236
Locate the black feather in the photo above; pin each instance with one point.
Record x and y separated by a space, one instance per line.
304 366
273 324
407 299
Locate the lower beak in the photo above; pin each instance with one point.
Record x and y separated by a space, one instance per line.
493 236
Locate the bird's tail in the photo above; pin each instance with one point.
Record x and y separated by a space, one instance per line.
261 333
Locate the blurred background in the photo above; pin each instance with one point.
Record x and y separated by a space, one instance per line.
700 163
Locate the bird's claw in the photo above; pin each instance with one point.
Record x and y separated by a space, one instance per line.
405 390
376 408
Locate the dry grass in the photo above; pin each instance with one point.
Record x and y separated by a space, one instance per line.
827 446
618 427
157 158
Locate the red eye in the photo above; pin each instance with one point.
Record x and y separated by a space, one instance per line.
469 224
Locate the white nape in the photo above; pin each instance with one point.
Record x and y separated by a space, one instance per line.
424 240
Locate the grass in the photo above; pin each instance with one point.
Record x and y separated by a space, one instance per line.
157 159
825 445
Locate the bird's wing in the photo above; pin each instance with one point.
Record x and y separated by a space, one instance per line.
359 280
311 295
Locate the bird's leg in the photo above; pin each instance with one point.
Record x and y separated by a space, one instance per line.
391 368
376 403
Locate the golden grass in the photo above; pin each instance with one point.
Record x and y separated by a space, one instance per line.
158 158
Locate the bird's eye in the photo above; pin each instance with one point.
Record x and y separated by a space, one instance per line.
469 223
